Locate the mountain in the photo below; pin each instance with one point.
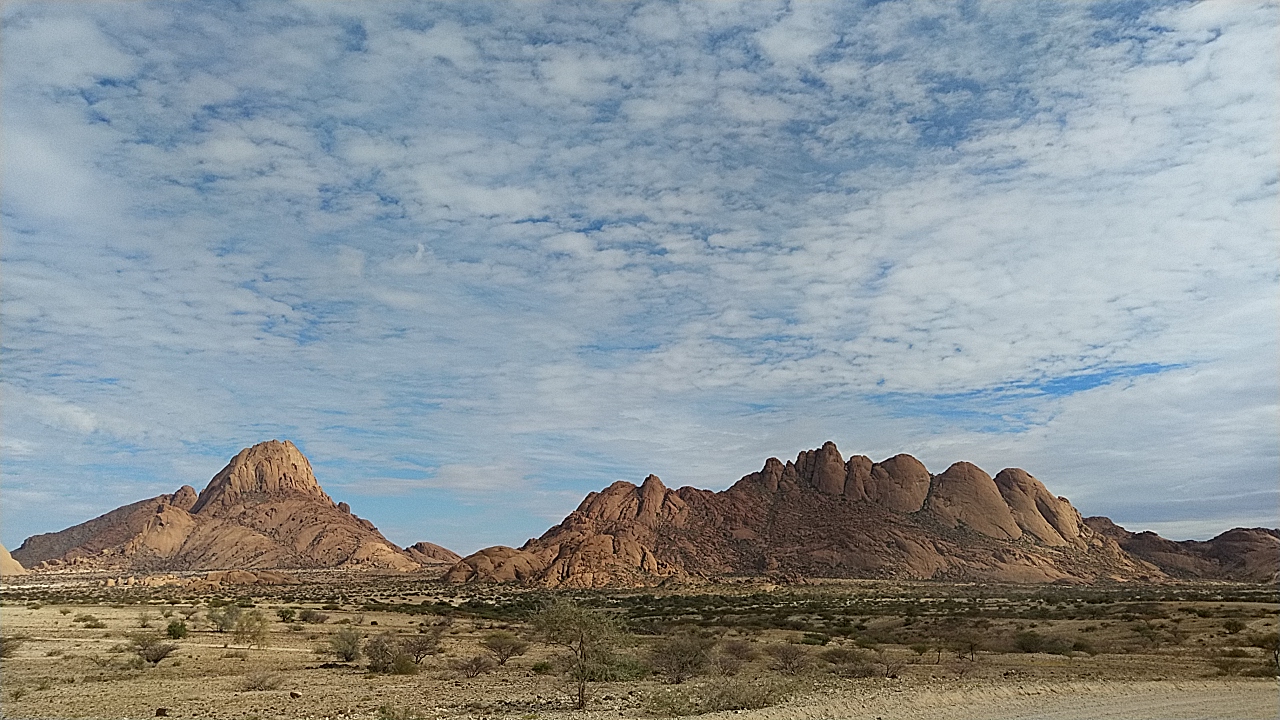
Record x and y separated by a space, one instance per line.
1240 554
9 566
264 510
820 515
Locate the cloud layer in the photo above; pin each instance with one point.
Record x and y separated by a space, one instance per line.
479 259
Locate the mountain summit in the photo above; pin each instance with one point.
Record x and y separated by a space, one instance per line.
265 509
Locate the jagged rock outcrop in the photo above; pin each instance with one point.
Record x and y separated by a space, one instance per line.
426 553
8 566
1239 554
819 516
264 510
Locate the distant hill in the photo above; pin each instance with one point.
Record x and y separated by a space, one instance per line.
1240 554
821 515
264 510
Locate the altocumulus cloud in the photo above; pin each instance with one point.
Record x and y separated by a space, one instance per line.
479 258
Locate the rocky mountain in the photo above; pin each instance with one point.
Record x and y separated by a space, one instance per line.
264 510
1240 554
426 553
820 515
8 566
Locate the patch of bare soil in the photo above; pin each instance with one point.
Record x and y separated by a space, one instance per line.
1159 700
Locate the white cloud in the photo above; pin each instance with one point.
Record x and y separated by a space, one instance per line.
616 240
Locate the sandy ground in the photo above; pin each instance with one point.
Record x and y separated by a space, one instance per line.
1196 700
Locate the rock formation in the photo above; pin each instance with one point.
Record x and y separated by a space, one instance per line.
819 516
425 553
264 510
1240 554
8 566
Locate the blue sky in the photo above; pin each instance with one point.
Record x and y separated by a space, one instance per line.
478 259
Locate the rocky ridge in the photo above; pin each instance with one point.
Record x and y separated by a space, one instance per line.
820 515
1239 554
264 510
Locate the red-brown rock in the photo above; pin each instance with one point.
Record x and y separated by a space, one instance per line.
264 510
817 516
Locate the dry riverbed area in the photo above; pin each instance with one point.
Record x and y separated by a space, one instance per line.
398 647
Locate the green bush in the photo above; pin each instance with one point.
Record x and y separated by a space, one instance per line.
345 644
176 630
681 657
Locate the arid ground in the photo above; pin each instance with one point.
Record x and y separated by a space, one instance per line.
837 649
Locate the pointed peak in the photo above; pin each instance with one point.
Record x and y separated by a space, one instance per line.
271 468
653 482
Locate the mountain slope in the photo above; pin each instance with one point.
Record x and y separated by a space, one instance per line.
821 516
264 510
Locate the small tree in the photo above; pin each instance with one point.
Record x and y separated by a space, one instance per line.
150 648
176 629
345 644
504 645
224 619
419 647
681 657
790 659
587 634
285 615
251 628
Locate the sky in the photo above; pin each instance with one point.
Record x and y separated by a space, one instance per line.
478 259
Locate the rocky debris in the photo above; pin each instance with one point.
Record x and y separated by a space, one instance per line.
425 553
264 510
818 516
1239 554
8 566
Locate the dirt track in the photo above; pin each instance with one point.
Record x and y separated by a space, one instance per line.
1193 700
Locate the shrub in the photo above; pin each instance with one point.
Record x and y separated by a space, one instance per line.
473 666
542 667
850 662
144 619
790 659
261 680
1233 626
681 657
385 652
149 648
345 644
176 630
285 614
224 619
313 617
251 628
504 645
403 665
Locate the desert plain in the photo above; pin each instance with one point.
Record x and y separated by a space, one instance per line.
810 649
